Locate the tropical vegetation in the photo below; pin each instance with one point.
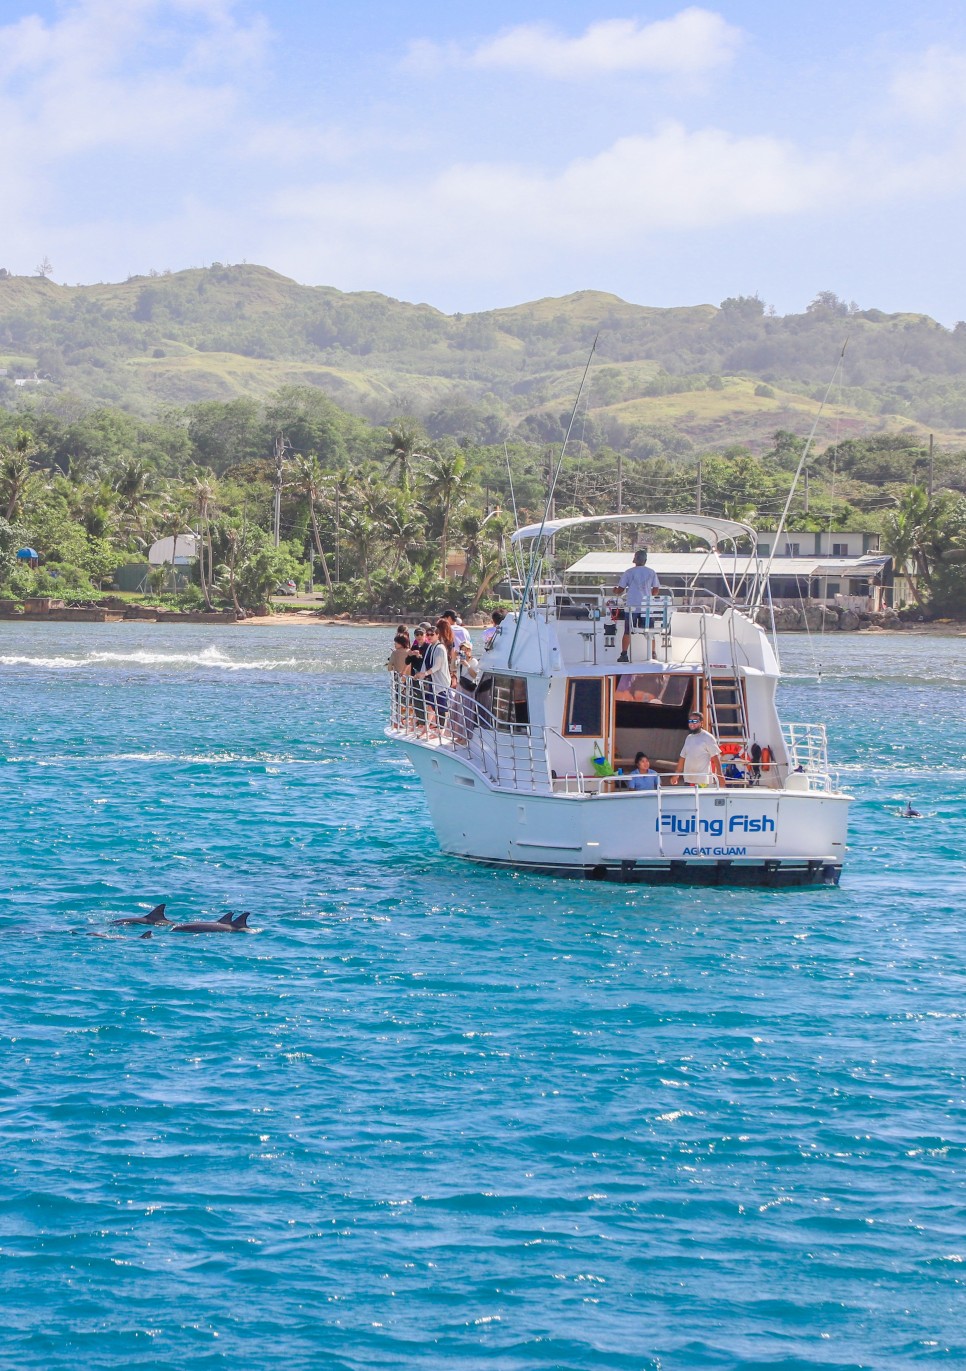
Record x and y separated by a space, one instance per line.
386 517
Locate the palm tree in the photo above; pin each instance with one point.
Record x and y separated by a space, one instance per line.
907 532
203 493
405 436
311 481
394 513
18 480
133 493
97 511
446 482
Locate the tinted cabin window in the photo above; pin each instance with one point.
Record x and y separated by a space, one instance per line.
653 700
506 696
584 709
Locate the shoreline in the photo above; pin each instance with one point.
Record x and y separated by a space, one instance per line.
945 628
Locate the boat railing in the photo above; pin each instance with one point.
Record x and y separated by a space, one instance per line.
594 604
573 783
806 747
511 755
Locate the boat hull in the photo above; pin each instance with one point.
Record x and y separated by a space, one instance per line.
681 835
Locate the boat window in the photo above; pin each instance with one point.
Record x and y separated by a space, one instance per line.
653 688
505 697
584 712
654 700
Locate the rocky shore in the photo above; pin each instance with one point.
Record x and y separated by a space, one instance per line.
828 618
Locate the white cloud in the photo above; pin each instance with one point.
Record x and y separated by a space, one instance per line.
485 217
148 77
287 143
932 87
114 74
692 42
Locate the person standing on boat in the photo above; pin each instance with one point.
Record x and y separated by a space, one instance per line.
460 634
437 674
700 758
638 582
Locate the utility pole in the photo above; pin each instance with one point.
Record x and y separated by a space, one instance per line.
931 441
280 446
620 500
806 490
698 510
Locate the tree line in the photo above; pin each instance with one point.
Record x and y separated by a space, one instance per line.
387 519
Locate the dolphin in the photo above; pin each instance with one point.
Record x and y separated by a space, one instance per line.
223 925
239 923
157 918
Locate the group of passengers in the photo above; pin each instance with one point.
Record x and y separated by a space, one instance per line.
440 655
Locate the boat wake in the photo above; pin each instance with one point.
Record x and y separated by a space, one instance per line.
209 658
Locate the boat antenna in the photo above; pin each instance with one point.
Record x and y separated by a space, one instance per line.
509 476
517 561
780 530
536 542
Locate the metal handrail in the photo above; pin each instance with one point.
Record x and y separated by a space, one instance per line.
577 773
806 748
508 754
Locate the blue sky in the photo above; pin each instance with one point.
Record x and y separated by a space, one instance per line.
475 156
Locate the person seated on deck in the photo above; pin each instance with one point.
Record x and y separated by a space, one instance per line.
642 777
700 758
639 582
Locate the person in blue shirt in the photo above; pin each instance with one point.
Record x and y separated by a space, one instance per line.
639 582
642 777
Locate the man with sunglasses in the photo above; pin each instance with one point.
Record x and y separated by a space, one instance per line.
700 759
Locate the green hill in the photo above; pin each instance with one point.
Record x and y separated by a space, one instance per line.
733 373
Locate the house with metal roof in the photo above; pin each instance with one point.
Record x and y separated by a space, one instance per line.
841 569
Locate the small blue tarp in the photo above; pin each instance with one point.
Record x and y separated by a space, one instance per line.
27 554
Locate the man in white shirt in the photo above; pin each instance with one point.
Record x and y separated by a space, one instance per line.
639 582
460 634
700 756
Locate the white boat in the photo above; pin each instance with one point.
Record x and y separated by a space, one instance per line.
519 774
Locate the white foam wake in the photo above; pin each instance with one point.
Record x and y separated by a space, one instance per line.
208 658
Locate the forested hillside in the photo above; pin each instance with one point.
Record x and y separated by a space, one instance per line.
734 373
409 440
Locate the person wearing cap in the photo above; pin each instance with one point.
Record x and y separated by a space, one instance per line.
417 649
700 759
638 583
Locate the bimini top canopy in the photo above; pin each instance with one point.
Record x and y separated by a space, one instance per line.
710 531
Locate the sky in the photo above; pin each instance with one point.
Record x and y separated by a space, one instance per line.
475 156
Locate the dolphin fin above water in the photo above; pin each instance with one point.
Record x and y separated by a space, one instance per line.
225 924
240 922
156 918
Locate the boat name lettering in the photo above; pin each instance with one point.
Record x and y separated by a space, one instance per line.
737 823
714 852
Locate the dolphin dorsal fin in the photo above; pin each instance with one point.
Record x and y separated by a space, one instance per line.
241 920
147 935
226 918
157 915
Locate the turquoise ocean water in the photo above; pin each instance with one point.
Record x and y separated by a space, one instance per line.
436 1116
